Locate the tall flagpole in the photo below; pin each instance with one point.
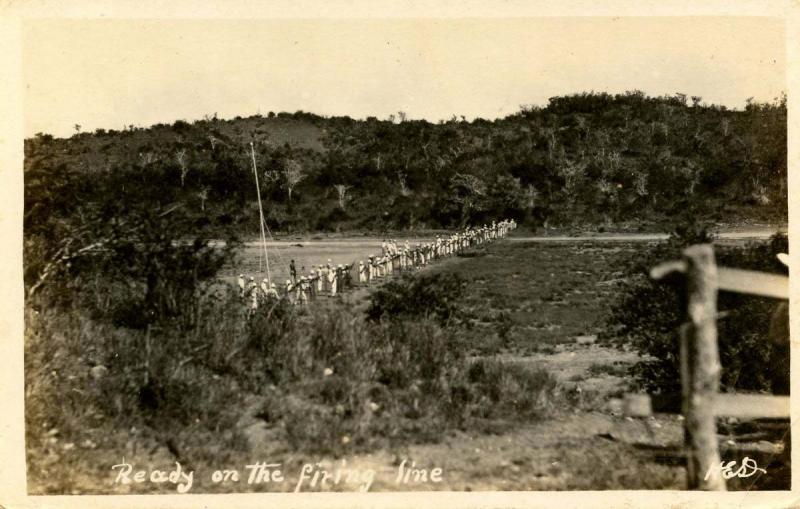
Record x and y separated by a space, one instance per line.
260 210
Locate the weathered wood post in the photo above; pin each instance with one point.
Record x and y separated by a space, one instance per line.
703 370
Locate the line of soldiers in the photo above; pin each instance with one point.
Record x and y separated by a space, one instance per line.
324 280
332 280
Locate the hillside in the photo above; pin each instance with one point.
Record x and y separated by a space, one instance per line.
583 159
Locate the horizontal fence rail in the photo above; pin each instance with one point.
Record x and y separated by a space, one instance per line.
747 282
740 406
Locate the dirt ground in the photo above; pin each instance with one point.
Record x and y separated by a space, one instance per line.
591 446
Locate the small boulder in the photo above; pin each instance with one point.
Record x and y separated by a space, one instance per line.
637 405
98 372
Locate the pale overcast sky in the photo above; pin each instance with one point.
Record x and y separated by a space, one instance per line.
111 73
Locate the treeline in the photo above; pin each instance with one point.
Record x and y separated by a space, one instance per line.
585 158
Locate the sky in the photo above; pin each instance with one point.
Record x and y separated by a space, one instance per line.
112 73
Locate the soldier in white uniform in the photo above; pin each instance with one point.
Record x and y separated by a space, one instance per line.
328 270
242 286
340 277
252 295
272 293
312 285
263 290
289 289
332 281
302 291
362 273
320 280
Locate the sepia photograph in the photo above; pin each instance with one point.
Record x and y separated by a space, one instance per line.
404 254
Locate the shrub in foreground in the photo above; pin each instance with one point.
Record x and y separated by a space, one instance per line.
426 295
647 315
328 381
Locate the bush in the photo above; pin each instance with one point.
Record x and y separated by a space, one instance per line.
331 382
495 389
428 295
648 313
93 390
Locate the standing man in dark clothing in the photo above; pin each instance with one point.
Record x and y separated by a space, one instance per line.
293 271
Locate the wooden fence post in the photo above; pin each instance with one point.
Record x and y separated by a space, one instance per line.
702 361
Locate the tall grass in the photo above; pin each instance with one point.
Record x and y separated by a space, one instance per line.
326 379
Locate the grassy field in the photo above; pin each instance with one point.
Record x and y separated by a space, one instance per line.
533 354
529 297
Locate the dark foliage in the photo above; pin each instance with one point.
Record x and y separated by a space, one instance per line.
648 313
427 295
584 158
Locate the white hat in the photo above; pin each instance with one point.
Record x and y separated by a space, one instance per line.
252 278
272 285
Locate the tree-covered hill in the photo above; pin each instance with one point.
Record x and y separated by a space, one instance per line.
586 158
